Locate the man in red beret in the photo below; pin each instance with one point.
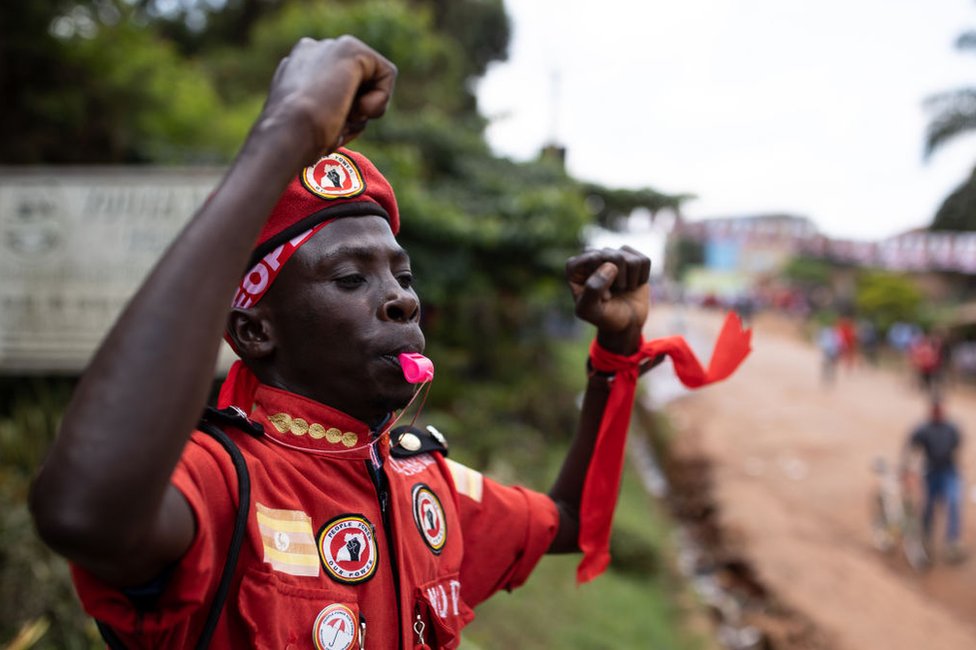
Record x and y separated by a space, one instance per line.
352 533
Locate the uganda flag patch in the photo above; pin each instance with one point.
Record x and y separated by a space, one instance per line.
468 482
289 544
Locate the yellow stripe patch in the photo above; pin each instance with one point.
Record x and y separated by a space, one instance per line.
290 558
300 524
289 544
468 481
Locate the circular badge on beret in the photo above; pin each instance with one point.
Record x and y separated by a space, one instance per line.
347 549
335 176
428 515
334 628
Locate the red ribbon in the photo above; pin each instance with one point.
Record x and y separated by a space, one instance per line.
606 465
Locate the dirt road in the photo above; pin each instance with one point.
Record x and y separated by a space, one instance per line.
792 479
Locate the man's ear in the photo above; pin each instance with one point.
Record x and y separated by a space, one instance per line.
252 332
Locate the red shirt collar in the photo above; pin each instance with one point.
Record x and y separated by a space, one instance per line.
305 424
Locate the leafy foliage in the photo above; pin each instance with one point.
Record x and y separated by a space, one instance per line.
96 86
954 114
886 298
808 272
955 110
611 205
958 210
685 253
34 583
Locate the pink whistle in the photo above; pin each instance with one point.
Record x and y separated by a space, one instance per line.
416 367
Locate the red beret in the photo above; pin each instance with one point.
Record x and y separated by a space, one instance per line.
343 184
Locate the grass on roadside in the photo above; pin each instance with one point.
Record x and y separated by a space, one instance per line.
643 604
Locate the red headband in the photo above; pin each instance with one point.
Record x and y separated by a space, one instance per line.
258 280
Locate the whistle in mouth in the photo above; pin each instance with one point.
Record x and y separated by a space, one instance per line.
417 368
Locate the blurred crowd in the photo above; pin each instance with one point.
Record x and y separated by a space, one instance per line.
927 354
933 354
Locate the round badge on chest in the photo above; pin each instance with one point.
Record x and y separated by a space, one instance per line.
428 515
347 548
335 628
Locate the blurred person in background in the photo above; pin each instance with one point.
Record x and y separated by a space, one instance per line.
938 441
926 356
829 343
867 337
847 331
901 335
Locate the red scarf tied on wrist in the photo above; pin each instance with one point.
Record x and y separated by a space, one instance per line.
606 465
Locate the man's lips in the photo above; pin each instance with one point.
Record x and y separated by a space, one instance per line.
393 357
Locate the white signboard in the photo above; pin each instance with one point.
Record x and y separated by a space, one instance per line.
74 245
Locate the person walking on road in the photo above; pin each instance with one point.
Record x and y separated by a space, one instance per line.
925 354
938 441
829 343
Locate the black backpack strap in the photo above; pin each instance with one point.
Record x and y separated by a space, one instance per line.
240 528
109 636
208 425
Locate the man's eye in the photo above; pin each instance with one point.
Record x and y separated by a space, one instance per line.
351 281
405 279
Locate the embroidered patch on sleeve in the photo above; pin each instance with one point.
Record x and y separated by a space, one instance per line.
289 543
468 481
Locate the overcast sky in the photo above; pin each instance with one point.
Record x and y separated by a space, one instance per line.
810 108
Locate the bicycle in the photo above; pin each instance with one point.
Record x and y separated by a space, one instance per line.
896 511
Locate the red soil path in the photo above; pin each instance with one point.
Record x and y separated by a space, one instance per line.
791 462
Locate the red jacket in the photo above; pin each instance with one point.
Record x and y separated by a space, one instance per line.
322 560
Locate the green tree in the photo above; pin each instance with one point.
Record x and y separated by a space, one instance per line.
808 272
611 205
886 298
953 111
93 84
958 210
954 114
684 253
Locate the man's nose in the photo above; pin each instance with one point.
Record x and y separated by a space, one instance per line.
400 305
